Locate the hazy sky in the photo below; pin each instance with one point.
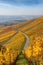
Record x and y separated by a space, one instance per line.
21 7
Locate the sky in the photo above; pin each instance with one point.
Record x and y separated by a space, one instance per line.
21 7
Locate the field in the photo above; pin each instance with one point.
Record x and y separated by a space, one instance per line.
22 43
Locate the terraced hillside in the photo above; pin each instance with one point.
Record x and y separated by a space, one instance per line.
28 25
12 43
34 30
6 35
13 40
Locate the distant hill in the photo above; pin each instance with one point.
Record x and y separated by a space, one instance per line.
10 22
20 17
1 25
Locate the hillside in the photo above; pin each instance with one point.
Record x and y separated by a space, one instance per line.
13 39
30 26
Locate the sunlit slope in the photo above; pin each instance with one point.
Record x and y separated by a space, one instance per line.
35 29
5 28
6 35
23 26
15 45
29 27
12 47
32 24
16 42
34 51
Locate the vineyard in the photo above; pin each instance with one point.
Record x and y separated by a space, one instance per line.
13 39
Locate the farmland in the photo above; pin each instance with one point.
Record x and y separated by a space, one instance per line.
13 39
